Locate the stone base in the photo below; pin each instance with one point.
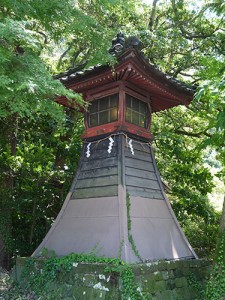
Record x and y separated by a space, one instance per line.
160 280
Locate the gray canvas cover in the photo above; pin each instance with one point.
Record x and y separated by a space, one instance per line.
94 216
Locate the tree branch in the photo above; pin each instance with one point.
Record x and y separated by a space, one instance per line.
222 221
75 56
64 54
152 17
193 134
45 37
188 35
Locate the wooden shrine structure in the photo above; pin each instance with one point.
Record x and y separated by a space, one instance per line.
117 205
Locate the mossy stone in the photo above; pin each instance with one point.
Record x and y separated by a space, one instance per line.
158 276
178 273
185 293
181 282
170 284
167 295
160 285
149 286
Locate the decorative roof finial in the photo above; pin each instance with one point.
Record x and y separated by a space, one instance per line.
120 44
117 44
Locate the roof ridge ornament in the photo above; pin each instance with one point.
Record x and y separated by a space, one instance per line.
121 44
117 44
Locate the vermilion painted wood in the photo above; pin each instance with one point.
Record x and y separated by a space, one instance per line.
132 75
137 72
121 125
114 127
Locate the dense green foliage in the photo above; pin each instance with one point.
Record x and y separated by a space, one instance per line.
40 141
216 284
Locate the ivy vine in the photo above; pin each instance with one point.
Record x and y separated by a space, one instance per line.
130 237
216 285
197 286
39 273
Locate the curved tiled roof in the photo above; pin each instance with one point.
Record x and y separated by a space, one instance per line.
73 75
134 68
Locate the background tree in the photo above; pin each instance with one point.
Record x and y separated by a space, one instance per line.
190 38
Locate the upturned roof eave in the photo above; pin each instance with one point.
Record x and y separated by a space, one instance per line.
148 76
151 69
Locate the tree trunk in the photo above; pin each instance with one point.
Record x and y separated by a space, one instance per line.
4 257
221 238
152 17
222 221
216 284
9 132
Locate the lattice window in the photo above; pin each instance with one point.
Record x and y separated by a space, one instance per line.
137 112
104 110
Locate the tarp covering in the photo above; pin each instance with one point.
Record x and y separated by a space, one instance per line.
99 220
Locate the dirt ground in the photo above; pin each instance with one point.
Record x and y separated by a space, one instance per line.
4 282
11 291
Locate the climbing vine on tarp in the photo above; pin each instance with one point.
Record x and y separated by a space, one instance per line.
130 237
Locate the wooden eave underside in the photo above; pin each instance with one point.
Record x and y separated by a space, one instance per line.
133 69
